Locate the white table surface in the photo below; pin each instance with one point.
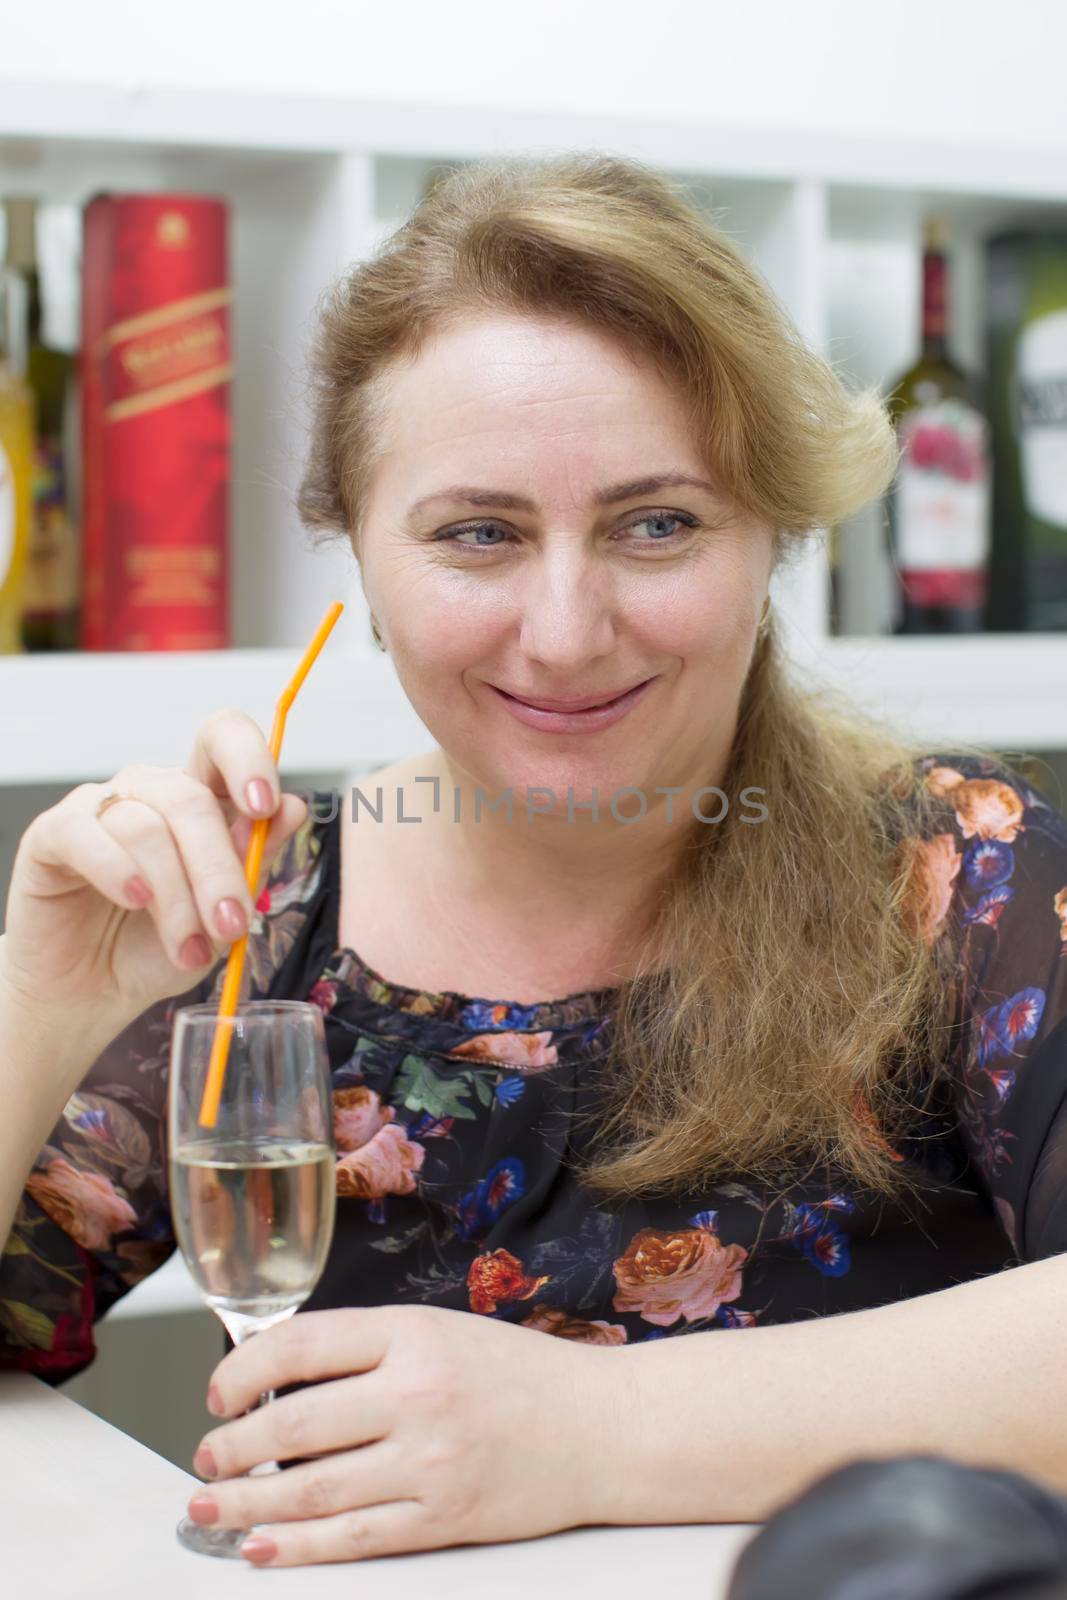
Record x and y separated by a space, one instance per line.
86 1513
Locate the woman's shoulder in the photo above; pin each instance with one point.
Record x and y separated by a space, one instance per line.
988 777
984 796
985 840
991 881
936 772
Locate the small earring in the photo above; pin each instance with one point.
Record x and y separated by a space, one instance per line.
379 641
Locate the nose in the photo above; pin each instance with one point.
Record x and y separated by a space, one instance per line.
569 612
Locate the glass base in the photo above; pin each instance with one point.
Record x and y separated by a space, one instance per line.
202 1537
209 1541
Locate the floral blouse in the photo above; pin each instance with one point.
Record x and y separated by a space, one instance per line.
454 1118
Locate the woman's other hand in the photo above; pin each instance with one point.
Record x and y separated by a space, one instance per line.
439 1427
108 914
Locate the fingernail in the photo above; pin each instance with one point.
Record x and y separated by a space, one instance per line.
259 796
203 1509
138 890
229 918
195 952
259 1549
214 1402
204 1463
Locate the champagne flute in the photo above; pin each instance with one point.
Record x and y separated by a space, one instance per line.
253 1198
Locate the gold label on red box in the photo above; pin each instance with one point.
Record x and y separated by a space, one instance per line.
166 355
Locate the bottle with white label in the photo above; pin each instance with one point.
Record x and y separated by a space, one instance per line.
1027 342
17 429
940 503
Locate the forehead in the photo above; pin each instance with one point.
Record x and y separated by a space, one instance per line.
511 384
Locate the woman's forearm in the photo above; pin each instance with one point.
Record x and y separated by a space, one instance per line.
43 1058
726 1426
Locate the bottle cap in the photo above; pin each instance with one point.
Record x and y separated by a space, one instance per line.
21 241
14 322
935 233
58 267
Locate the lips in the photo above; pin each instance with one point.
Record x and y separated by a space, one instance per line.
571 705
594 719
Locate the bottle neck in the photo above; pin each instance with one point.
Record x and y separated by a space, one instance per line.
935 305
6 328
33 309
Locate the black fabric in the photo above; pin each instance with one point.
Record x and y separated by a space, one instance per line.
460 1121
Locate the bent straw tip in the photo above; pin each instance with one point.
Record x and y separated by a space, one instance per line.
253 859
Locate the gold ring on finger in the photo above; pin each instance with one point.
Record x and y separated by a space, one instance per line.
108 798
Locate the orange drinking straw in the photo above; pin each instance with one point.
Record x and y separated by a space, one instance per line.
220 1047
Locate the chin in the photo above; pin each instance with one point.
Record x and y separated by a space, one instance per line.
581 775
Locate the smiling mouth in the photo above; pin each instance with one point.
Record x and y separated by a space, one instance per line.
571 705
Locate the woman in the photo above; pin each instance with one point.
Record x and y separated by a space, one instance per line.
627 1065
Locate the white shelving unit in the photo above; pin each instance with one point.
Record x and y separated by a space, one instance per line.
83 721
834 225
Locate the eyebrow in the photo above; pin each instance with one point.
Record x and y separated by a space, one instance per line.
465 494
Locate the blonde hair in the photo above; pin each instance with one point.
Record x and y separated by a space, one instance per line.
787 1010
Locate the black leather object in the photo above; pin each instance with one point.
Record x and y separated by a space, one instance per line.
914 1528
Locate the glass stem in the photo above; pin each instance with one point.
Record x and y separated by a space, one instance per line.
241 1328
262 1467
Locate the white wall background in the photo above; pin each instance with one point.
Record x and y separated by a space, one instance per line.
973 69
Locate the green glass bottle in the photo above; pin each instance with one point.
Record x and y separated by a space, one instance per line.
940 501
1027 343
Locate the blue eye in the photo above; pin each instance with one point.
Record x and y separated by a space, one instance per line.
664 516
451 535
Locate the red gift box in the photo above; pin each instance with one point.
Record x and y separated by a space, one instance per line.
156 433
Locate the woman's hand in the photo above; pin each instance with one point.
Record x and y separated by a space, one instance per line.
78 933
438 1428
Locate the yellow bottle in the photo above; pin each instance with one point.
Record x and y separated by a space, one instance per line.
17 426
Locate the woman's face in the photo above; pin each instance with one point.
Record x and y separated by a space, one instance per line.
511 548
